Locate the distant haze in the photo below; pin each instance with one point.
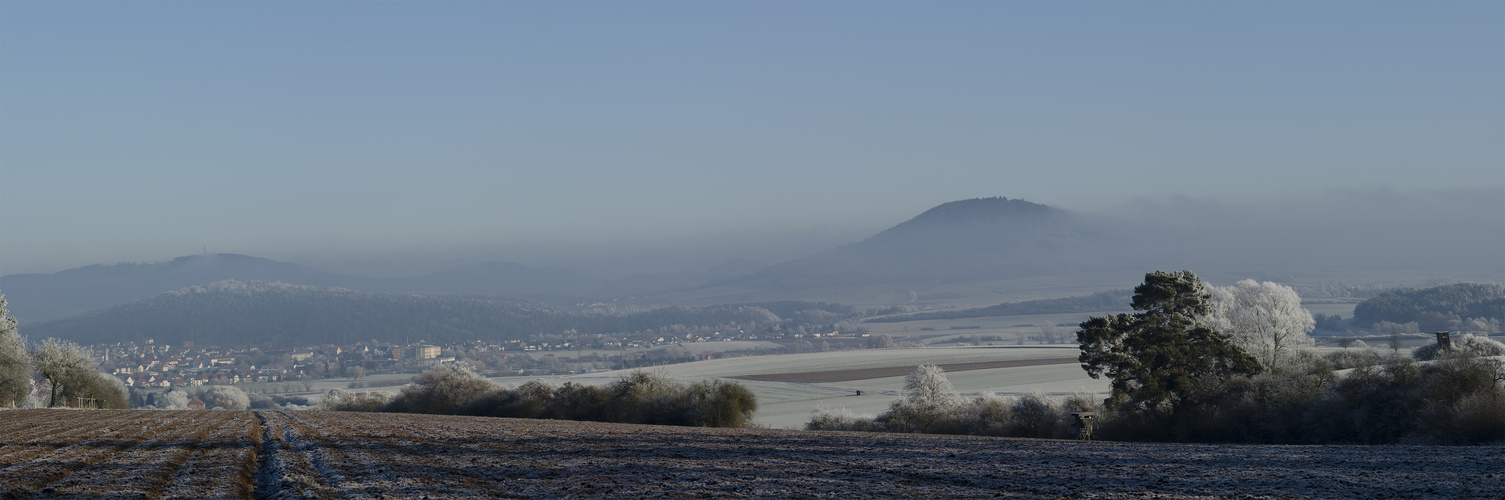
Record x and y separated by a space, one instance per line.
403 138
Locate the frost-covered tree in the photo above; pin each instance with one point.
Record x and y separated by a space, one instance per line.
227 397
64 366
1050 333
15 363
1266 319
928 398
173 399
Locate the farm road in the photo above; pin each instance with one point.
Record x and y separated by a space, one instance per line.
895 371
277 454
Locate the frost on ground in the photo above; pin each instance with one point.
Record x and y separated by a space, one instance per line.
163 454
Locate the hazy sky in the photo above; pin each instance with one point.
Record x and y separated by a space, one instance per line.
406 136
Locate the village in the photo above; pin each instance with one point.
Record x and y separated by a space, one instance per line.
150 365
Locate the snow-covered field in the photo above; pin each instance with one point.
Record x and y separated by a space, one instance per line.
220 454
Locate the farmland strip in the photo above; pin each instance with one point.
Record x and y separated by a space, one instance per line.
398 456
289 467
42 471
896 371
221 449
143 468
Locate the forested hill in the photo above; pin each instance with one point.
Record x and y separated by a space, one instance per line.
282 315
1465 306
1112 300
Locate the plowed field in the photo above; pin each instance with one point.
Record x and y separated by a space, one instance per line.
273 454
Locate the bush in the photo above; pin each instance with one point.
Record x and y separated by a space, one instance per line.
1465 344
721 404
440 390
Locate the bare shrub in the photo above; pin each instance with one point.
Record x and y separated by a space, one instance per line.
1034 415
987 415
1478 418
837 418
338 400
1352 358
526 401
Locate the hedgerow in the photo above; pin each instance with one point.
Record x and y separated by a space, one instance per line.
640 397
1455 400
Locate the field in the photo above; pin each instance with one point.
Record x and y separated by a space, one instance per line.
789 386
219 454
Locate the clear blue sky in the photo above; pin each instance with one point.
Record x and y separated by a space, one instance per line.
449 131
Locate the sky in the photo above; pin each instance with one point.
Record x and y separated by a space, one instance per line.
394 138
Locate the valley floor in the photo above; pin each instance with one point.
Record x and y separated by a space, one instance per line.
274 454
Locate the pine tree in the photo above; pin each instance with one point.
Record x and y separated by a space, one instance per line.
1153 357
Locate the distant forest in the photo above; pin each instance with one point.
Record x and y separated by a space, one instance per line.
1111 300
1468 306
278 314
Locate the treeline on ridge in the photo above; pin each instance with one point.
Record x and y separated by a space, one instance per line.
1459 306
1111 300
278 314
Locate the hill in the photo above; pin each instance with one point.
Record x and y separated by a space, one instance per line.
283 315
42 297
960 241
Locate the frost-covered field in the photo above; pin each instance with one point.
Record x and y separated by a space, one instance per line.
786 405
127 453
217 454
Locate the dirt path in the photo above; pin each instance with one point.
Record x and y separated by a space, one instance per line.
895 371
